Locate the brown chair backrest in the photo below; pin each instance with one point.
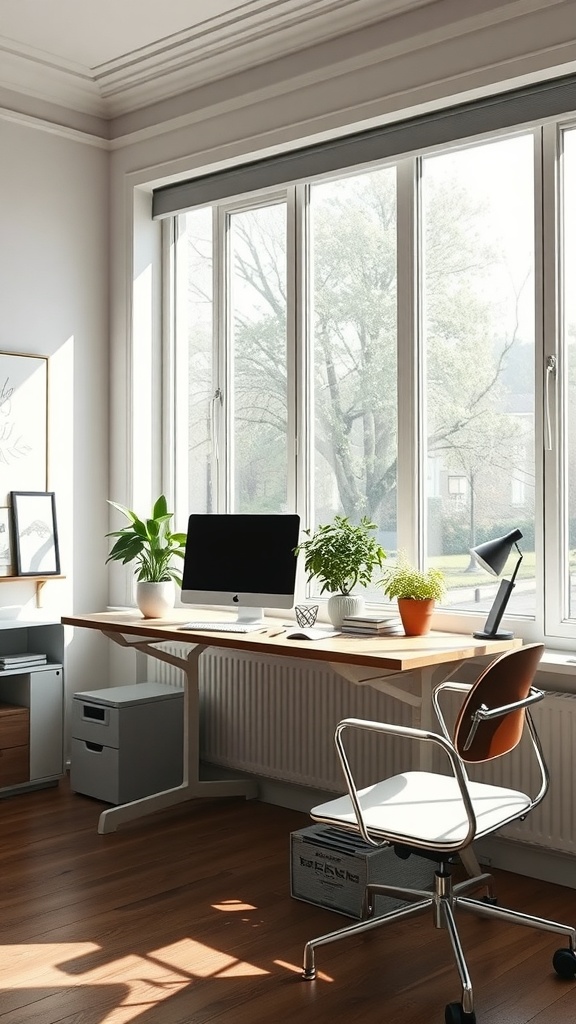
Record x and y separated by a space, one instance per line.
504 681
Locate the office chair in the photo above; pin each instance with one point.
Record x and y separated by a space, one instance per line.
440 815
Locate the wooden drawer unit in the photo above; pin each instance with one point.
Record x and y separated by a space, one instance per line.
14 744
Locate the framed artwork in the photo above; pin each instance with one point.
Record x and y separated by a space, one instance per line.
6 567
23 423
35 533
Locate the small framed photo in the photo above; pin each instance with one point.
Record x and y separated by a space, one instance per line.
6 567
35 533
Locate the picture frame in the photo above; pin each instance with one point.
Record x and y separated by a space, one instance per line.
6 566
23 423
35 533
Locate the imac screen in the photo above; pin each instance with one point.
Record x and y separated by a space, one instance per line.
241 560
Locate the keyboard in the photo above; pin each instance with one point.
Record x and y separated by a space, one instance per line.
222 627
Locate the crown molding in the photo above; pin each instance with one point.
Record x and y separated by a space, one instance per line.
216 47
270 48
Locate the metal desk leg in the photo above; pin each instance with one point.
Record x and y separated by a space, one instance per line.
192 786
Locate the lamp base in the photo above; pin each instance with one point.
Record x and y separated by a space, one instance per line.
503 634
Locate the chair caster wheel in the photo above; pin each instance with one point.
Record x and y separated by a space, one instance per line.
492 901
455 1015
564 963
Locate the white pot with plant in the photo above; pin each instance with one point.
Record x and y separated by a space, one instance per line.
152 546
341 556
416 591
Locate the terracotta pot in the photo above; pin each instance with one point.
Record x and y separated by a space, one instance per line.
416 615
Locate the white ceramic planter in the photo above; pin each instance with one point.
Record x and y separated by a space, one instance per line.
340 605
155 600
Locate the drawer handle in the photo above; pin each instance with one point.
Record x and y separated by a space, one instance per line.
96 714
96 747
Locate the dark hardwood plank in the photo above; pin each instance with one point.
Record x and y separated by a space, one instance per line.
186 918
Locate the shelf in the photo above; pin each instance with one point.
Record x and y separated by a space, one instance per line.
38 580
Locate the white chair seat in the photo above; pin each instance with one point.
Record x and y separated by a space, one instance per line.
424 807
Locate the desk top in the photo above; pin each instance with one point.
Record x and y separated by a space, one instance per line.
391 653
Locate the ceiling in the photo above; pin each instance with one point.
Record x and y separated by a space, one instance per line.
107 57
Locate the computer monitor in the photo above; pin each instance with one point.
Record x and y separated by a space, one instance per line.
244 561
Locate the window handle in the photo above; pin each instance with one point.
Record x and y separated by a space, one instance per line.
217 397
550 372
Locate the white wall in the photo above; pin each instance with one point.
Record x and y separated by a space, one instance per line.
54 302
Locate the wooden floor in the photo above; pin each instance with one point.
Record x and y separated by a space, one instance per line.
186 918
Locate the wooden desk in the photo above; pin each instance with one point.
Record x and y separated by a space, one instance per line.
373 661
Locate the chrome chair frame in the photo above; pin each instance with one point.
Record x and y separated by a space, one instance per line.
446 897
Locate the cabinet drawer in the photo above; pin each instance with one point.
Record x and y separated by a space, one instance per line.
14 765
95 722
94 771
14 726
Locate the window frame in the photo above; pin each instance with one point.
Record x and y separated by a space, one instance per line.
549 619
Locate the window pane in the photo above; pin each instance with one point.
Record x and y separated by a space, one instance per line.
569 317
478 321
259 359
194 377
353 232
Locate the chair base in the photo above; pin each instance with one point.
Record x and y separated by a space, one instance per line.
445 899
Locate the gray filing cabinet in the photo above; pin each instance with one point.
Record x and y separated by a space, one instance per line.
127 741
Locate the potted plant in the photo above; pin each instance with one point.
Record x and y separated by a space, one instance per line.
151 544
341 556
416 592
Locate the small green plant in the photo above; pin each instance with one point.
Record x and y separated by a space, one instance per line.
341 555
404 580
150 543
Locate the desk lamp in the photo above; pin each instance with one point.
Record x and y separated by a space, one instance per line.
493 556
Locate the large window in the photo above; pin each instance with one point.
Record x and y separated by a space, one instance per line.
478 330
398 342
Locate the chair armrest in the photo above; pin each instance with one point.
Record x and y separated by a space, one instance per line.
454 687
485 714
410 733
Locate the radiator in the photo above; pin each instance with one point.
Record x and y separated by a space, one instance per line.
276 718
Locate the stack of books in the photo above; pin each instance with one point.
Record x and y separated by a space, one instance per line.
373 625
25 660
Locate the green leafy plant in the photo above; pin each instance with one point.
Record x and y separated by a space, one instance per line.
150 543
341 555
405 580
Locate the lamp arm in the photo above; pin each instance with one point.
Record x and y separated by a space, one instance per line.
517 566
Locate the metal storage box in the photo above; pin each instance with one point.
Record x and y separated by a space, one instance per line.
127 741
332 870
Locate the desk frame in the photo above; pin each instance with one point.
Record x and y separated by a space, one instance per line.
371 661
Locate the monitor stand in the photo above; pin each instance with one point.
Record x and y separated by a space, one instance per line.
250 616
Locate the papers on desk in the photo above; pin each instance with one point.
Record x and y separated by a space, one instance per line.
314 633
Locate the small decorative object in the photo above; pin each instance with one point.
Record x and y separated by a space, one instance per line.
306 615
35 533
341 556
416 593
152 546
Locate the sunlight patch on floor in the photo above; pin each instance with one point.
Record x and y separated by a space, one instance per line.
233 905
148 980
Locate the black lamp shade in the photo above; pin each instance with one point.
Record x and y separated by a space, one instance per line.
493 555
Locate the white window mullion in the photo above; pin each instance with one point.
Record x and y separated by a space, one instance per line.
550 383
222 449
298 363
411 448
